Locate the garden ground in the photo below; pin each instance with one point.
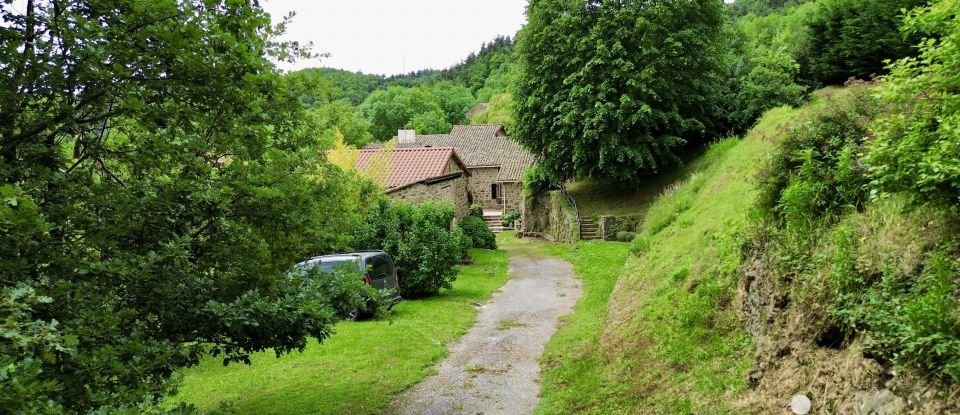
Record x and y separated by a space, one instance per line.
361 367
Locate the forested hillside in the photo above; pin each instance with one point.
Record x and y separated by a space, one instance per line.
367 108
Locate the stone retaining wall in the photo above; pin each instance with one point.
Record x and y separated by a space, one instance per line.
550 216
610 225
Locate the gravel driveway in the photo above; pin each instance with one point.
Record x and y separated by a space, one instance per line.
495 367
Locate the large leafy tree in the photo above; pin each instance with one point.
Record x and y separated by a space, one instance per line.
855 38
430 110
393 108
616 88
158 179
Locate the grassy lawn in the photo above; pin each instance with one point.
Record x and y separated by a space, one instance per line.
360 368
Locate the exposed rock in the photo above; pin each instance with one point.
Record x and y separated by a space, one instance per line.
800 404
882 402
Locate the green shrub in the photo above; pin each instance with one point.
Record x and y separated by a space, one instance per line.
917 144
510 217
344 291
476 210
537 180
815 172
420 239
769 84
903 302
623 236
480 235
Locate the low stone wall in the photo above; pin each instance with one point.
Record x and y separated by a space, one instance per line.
550 216
449 191
611 225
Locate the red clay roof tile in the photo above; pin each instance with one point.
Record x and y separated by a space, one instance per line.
410 165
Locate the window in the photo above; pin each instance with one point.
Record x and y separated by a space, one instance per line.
380 267
493 191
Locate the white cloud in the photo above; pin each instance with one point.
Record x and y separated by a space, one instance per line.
390 37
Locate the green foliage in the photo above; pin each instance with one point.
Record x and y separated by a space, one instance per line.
430 110
816 173
760 7
670 335
484 69
906 315
480 235
432 122
157 195
27 343
769 84
882 268
455 100
510 217
344 291
854 38
340 117
537 180
616 89
476 210
349 87
420 239
768 57
395 107
363 367
624 236
500 112
917 144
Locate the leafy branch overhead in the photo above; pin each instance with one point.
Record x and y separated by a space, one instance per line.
159 179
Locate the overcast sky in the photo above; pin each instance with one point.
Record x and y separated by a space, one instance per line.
396 36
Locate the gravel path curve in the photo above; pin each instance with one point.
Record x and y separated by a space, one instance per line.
495 367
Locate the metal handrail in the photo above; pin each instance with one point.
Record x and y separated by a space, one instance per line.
563 191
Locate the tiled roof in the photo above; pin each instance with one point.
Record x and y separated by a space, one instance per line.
479 145
410 165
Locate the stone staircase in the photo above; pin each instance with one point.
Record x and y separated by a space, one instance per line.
589 229
494 221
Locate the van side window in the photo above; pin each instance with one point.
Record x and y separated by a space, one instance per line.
380 267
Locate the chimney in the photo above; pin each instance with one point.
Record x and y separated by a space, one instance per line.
407 137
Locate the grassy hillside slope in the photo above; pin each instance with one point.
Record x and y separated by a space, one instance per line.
772 271
672 342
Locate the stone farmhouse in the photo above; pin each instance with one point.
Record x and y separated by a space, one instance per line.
419 174
495 163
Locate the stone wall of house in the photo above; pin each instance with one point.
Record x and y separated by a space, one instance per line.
611 225
449 191
452 167
513 196
479 183
550 216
